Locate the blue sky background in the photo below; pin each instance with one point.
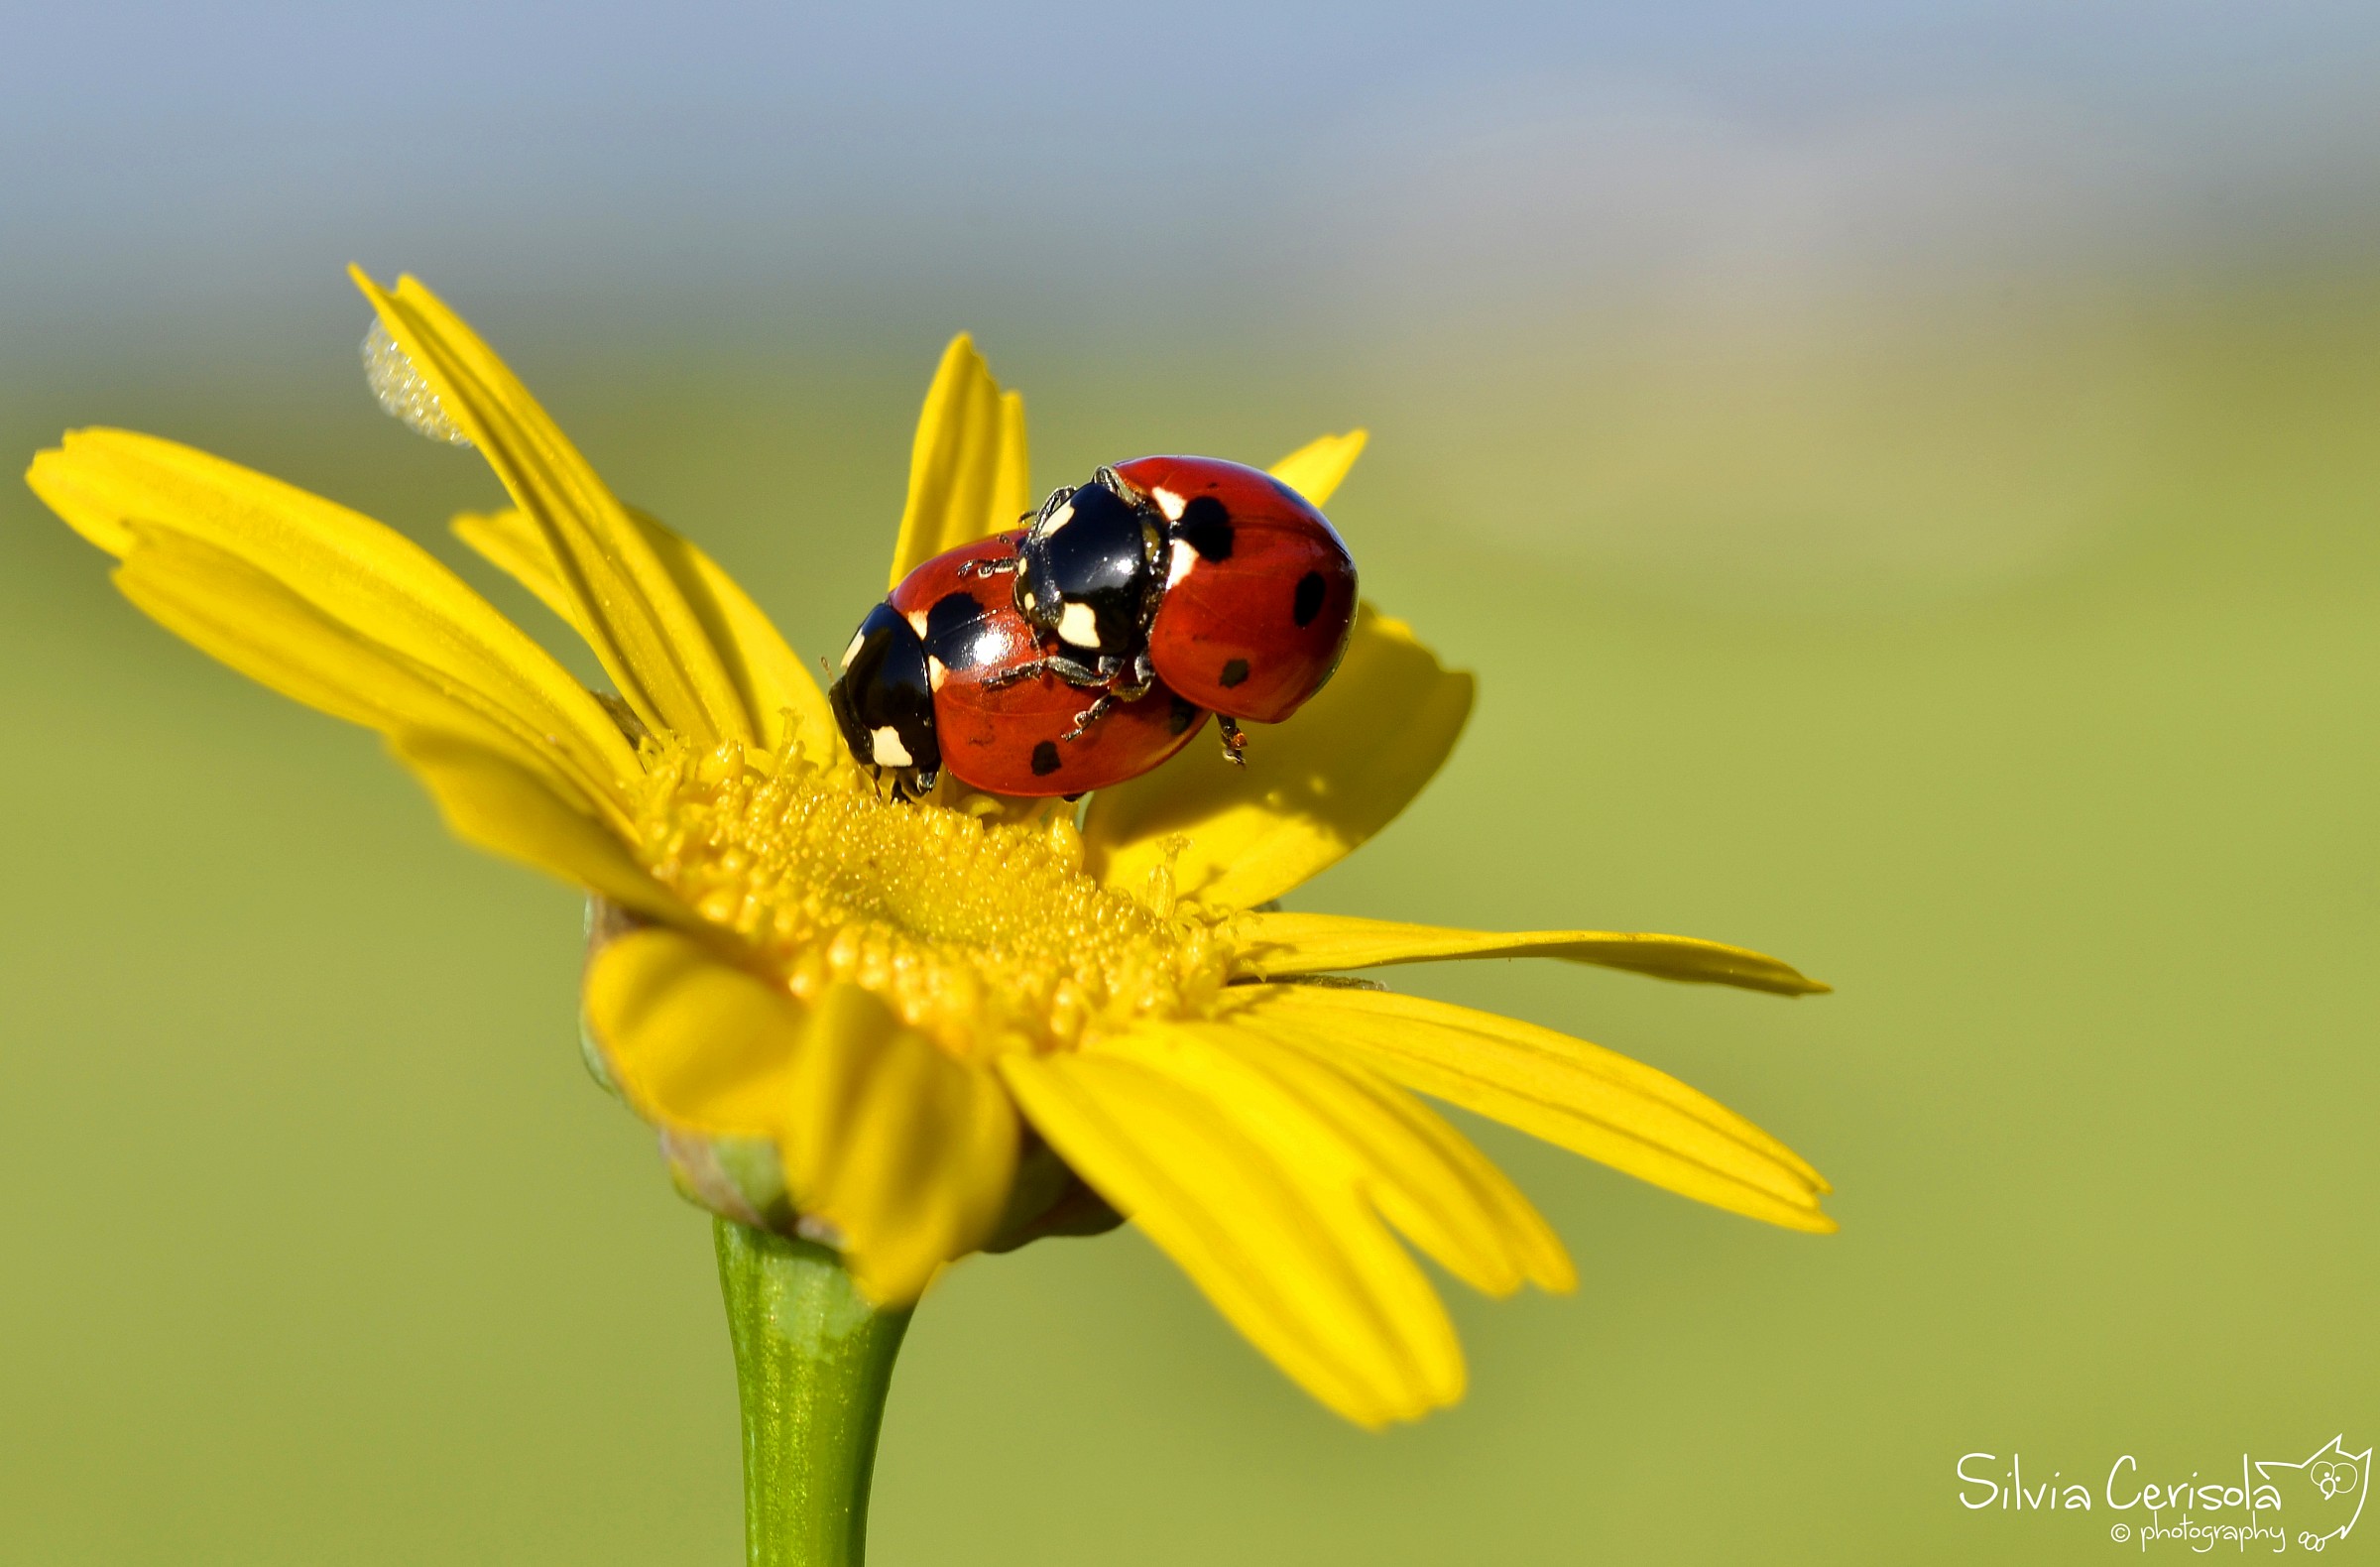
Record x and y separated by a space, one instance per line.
1265 164
1870 296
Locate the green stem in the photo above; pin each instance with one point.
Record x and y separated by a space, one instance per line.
813 1362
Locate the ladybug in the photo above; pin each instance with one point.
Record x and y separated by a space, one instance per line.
946 674
1217 579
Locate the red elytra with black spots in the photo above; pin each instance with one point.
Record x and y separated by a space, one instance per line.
1260 592
1010 738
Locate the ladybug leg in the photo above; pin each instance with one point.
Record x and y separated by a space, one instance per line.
1090 716
999 680
1075 673
1235 744
907 783
1056 664
1144 676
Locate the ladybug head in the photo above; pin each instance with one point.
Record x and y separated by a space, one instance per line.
884 702
1089 570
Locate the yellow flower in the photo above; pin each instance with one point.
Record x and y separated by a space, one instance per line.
911 1007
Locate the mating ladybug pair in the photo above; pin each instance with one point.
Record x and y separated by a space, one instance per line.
1090 646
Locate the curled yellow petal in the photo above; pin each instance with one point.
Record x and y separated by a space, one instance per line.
493 802
1285 1250
695 1043
648 637
1313 787
906 1152
1316 468
966 466
1576 1095
776 689
1275 945
308 597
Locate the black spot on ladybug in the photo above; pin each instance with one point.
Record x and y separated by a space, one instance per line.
1309 598
1046 759
1233 673
1181 718
948 628
1206 525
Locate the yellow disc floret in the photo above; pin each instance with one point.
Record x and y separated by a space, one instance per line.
986 935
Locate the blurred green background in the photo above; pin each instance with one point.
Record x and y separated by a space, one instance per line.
1909 493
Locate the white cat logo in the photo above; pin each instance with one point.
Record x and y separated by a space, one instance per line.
2332 1483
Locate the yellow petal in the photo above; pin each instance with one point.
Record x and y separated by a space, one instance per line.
1013 481
1275 945
224 607
511 542
641 628
768 675
1294 1261
1316 468
1367 1137
1528 1238
967 467
1313 787
695 1043
1576 1095
328 565
492 801
907 1153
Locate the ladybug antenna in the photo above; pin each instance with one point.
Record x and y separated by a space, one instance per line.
1057 498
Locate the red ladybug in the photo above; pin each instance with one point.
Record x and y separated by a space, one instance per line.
1216 578
946 674
1260 592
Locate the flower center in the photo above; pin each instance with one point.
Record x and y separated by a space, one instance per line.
986 935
